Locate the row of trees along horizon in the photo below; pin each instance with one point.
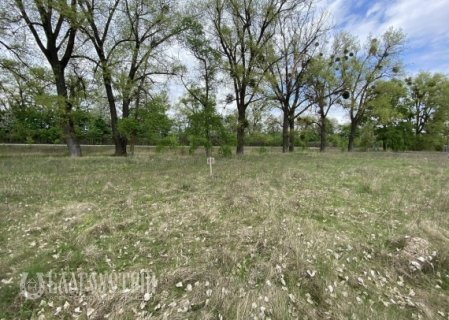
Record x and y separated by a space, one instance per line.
96 71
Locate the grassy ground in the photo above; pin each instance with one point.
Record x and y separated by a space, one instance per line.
269 236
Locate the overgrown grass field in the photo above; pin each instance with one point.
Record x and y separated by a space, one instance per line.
269 236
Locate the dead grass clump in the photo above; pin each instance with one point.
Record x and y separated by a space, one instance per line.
434 231
416 255
77 209
108 187
101 228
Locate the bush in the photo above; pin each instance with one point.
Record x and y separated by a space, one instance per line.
263 150
170 141
225 151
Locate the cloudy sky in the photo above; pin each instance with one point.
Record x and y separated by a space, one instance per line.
426 24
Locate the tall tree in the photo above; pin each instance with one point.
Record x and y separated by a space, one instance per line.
387 110
200 102
98 28
296 44
427 93
243 30
428 108
324 89
53 26
361 67
130 43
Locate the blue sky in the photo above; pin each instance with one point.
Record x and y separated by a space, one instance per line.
426 24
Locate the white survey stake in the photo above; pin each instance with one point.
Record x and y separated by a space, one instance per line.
210 162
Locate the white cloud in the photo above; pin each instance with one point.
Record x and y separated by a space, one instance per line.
421 21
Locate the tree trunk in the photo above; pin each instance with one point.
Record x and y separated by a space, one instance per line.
120 145
285 134
352 136
119 141
68 125
71 139
241 131
323 134
291 135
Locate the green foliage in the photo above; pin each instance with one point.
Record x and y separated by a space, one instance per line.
263 150
388 112
428 108
171 142
410 114
31 124
204 126
367 65
343 135
225 151
149 123
264 139
367 138
399 137
308 132
128 127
